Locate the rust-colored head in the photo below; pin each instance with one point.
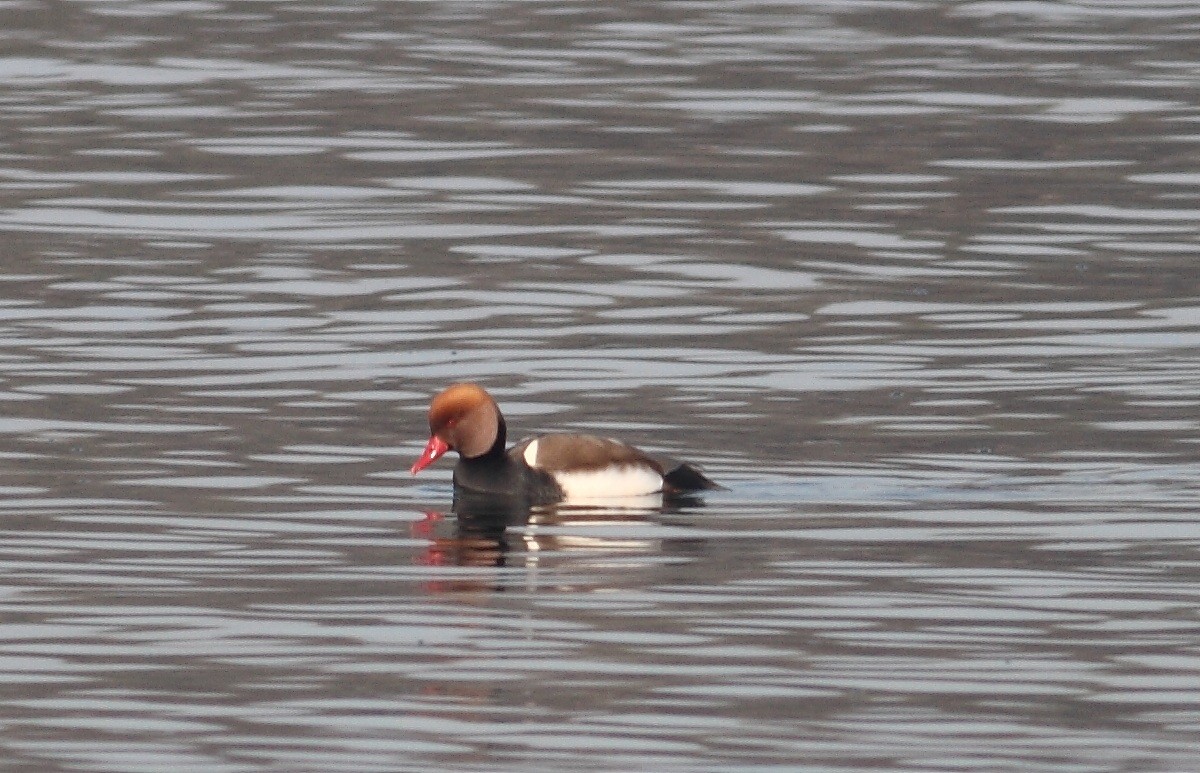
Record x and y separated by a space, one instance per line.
462 418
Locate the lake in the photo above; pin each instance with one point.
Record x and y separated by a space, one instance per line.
916 281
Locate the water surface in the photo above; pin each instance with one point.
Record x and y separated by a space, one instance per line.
915 280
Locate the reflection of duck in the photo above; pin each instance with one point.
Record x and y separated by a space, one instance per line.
544 469
487 528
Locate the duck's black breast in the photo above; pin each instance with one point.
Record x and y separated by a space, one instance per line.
507 476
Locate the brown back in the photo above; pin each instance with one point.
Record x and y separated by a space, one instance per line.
557 453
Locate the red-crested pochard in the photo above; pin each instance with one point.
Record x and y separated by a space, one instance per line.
547 468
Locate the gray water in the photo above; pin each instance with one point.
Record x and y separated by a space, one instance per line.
915 280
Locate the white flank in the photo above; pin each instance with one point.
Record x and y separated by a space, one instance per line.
531 454
627 481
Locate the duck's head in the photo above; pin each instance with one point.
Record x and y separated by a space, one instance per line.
462 418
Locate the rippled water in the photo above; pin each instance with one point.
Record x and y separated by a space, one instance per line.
916 280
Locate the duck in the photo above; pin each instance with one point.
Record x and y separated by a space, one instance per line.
544 469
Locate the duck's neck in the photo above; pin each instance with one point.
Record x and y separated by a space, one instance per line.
492 472
497 449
